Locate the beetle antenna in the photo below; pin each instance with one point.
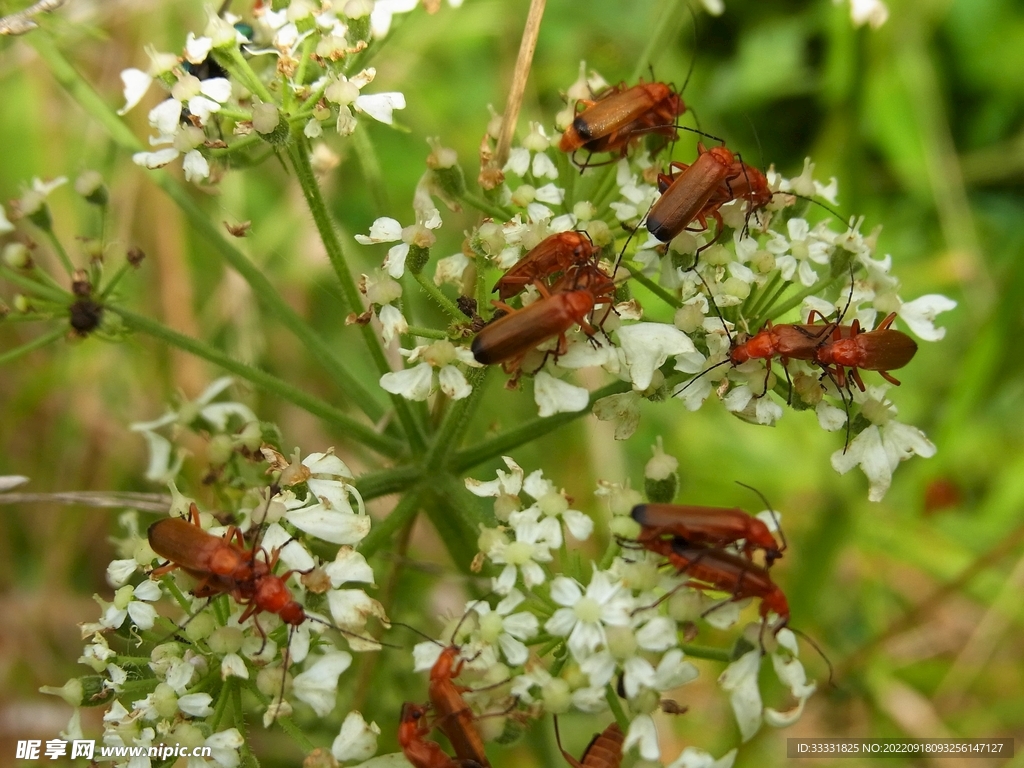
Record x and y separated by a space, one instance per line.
771 509
810 640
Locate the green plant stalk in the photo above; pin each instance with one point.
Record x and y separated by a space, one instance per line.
114 280
371 167
298 150
483 205
42 290
657 40
360 432
319 349
703 652
380 533
47 338
245 73
426 333
449 434
387 481
58 246
759 298
793 301
438 296
455 520
653 287
222 704
616 707
531 430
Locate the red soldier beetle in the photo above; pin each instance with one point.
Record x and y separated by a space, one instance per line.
603 751
510 338
715 527
882 349
216 562
555 253
619 117
688 196
412 732
715 569
455 719
223 566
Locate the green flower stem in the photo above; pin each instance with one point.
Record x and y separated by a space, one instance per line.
667 23
245 73
34 317
47 338
616 707
449 434
482 294
382 531
426 333
242 142
305 56
298 150
360 432
222 704
609 554
112 283
319 349
485 206
370 164
387 481
758 299
604 187
58 247
456 521
794 301
636 270
43 290
703 652
437 295
531 430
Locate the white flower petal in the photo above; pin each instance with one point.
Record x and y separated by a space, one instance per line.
318 685
357 740
195 166
579 524
919 315
453 383
383 230
157 159
349 565
380 106
647 346
643 734
740 680
216 88
556 396
411 383
196 704
518 161
331 525
136 83
394 263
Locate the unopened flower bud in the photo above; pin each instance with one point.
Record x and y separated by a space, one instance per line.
490 538
200 626
224 640
72 691
600 233
221 32
523 196
220 449
17 256
584 210
661 480
688 318
165 701
342 92
624 527
717 255
89 185
556 696
265 117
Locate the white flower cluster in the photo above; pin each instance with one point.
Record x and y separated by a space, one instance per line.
279 71
621 626
172 702
712 291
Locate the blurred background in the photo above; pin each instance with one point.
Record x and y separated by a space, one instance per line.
916 600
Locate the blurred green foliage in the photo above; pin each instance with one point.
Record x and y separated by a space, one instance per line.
921 121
